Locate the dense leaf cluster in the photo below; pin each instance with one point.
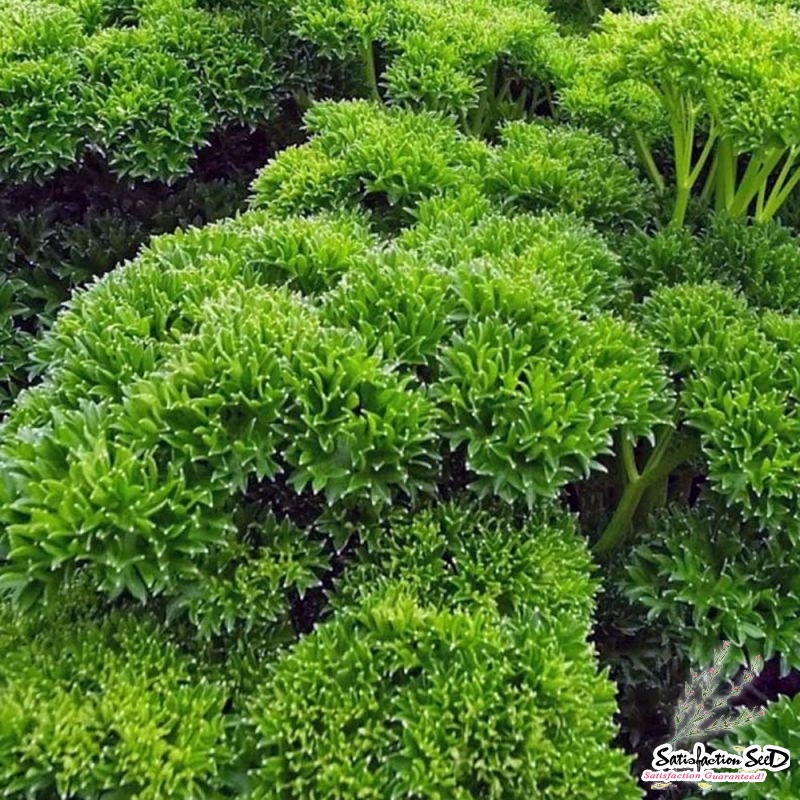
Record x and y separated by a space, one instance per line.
180 377
693 575
106 705
80 225
433 676
288 513
480 61
140 82
431 661
780 725
388 161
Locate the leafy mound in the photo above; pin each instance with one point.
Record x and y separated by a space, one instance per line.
478 61
98 704
311 465
387 161
184 376
463 693
778 726
142 83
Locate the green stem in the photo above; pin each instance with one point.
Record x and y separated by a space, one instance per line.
495 73
472 123
681 204
648 162
479 115
787 166
523 99
623 515
709 183
778 186
369 71
663 439
756 174
504 94
660 464
762 191
726 174
701 161
628 457
492 96
778 196
655 496
683 117
476 117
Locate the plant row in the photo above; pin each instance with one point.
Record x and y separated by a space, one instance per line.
309 466
141 84
430 679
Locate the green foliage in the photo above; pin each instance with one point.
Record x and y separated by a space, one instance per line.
145 470
399 303
759 261
515 391
456 673
580 15
97 14
317 439
244 585
408 299
693 322
48 246
145 95
385 161
556 249
390 161
40 121
448 658
779 725
478 61
177 380
149 113
715 76
706 575
237 56
645 660
567 169
740 384
403 709
37 29
120 330
177 371
307 255
356 428
460 557
666 257
106 706
14 345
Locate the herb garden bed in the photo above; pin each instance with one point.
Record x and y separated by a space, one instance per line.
400 396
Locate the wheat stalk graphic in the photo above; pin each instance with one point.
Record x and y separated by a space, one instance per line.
701 703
